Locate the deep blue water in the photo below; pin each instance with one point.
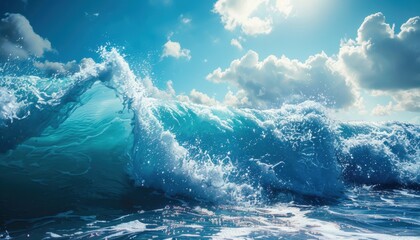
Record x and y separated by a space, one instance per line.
92 155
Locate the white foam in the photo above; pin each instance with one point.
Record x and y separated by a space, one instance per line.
9 106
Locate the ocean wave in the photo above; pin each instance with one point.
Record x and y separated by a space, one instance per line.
218 154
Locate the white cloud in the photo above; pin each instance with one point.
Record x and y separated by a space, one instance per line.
253 17
274 80
235 42
194 96
169 93
384 61
57 68
185 20
383 110
407 100
173 49
153 91
18 39
201 98
197 97
284 6
239 99
380 59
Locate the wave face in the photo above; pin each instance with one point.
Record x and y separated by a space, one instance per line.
216 154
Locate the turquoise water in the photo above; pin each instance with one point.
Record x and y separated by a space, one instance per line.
93 155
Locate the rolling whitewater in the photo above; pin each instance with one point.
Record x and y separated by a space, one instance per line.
94 155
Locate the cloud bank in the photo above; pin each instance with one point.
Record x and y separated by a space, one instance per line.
18 39
273 81
378 61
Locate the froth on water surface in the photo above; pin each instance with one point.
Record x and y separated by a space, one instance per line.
365 215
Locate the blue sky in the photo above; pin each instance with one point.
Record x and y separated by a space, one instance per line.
215 33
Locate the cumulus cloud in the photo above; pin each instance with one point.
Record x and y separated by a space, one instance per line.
253 17
18 39
202 98
238 99
173 49
274 80
197 97
380 59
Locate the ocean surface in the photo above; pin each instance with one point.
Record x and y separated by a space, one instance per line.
93 156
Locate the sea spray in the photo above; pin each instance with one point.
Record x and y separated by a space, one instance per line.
157 159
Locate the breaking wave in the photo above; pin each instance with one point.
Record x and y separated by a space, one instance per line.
216 154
